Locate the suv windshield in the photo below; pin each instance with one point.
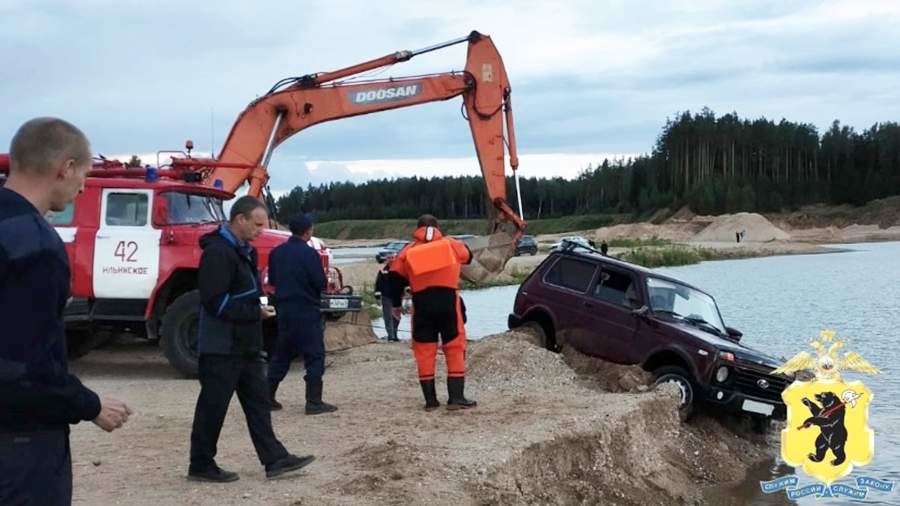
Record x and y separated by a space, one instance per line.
193 208
396 246
684 302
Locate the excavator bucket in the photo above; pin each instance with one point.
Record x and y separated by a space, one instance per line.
489 256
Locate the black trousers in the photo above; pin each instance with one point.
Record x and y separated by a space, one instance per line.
35 469
299 335
220 377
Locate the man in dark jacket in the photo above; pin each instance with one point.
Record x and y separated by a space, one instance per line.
383 292
39 399
295 270
230 347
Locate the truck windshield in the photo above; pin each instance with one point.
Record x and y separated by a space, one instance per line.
684 302
187 208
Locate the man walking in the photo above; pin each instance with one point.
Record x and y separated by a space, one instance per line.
39 399
430 266
230 346
295 270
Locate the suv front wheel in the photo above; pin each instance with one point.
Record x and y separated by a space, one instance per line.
682 379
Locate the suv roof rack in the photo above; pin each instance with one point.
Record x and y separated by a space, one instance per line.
570 246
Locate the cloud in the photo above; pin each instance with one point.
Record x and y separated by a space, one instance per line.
587 76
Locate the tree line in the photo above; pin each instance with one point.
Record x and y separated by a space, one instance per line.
713 164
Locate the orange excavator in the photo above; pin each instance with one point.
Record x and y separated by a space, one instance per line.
296 103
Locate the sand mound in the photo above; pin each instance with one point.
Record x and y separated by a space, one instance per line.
683 214
606 376
351 330
756 227
510 362
644 230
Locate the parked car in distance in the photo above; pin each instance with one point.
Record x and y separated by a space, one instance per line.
526 245
624 313
390 249
572 238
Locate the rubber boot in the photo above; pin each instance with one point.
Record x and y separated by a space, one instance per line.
431 401
314 404
274 405
456 388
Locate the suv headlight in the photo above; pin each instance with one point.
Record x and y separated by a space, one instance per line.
722 374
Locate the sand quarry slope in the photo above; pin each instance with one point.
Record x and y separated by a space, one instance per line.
549 429
754 226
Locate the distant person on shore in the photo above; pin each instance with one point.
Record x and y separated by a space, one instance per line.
604 248
382 291
39 399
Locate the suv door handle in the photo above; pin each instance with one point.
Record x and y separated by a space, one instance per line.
587 304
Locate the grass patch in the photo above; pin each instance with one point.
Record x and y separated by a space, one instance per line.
371 304
637 243
401 228
573 223
668 256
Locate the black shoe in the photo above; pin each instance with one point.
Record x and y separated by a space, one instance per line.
286 465
314 403
431 402
214 474
455 389
274 405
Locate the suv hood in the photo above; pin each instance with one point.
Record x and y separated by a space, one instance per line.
741 353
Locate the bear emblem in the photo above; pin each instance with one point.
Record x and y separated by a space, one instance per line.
829 418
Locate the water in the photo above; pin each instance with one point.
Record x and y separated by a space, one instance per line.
777 302
350 255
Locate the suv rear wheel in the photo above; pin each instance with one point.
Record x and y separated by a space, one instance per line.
682 379
180 327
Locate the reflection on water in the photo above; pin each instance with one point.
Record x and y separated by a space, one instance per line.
777 302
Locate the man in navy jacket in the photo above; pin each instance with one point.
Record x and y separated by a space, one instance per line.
39 399
230 347
295 270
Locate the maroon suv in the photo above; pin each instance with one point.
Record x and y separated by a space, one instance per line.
627 314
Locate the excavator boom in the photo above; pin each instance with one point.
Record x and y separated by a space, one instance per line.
296 103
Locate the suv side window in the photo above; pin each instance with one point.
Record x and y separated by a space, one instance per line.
127 209
615 288
572 274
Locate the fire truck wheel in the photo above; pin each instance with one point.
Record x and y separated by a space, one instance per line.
179 333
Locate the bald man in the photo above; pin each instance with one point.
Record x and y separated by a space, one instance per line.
39 399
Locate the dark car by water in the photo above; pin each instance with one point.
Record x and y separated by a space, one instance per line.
624 313
526 246
390 249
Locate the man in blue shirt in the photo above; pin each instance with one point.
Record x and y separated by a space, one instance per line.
39 399
295 270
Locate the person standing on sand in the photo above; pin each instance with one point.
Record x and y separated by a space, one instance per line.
230 345
382 290
39 399
430 266
295 270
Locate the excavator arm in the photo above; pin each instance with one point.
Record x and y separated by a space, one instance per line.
297 103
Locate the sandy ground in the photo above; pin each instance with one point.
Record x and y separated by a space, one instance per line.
549 429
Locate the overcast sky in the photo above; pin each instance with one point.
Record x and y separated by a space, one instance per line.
590 79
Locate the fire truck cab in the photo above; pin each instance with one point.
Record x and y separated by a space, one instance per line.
132 241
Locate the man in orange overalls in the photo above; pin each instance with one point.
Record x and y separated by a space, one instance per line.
430 266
